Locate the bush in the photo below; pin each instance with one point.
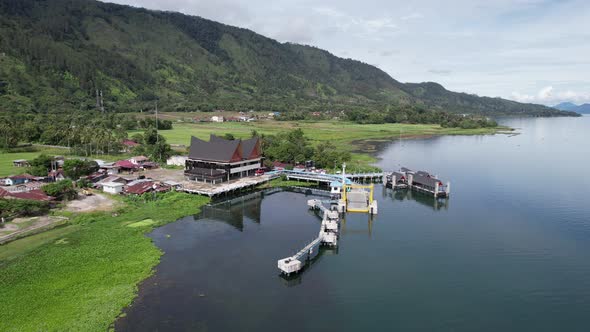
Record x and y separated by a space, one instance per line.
22 208
75 168
61 190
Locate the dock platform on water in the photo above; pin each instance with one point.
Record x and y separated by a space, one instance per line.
328 235
420 181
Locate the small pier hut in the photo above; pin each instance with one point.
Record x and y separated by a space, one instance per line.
425 182
396 180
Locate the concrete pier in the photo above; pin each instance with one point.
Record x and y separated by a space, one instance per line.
328 235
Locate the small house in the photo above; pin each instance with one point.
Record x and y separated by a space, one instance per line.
143 187
217 118
279 166
18 179
129 145
150 165
56 175
126 166
111 178
110 168
176 161
20 163
139 160
299 168
112 187
34 195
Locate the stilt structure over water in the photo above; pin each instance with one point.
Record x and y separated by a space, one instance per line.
419 181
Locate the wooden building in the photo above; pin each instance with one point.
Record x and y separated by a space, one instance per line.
222 160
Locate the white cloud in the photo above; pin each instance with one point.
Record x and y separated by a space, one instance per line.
549 96
412 16
546 93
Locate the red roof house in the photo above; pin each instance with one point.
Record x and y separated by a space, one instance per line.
126 165
35 195
145 187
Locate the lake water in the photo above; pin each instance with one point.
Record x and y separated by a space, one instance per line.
509 251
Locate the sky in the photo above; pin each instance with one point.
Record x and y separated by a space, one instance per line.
526 50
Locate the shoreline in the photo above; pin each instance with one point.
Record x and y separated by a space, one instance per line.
125 216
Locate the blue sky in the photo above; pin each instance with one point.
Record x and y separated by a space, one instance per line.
526 50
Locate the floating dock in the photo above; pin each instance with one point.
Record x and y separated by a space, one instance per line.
328 235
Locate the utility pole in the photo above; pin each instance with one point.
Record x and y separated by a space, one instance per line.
101 102
97 100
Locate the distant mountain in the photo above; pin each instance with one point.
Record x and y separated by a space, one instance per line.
571 107
65 55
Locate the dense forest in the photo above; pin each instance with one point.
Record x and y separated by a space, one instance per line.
81 55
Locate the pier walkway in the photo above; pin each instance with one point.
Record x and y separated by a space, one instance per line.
328 235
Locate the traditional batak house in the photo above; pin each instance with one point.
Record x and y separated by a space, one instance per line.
222 160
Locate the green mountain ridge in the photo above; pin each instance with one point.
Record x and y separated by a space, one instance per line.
58 55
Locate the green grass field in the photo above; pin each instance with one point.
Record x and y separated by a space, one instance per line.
79 277
342 134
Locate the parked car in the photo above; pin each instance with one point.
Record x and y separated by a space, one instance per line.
259 172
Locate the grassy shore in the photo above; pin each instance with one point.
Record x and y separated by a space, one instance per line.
79 277
344 135
283 183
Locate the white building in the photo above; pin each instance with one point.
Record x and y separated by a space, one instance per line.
176 161
112 187
217 118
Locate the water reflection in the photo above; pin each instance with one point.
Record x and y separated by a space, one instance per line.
350 231
232 211
297 278
436 204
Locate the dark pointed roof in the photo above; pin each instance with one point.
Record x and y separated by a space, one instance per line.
251 148
424 178
217 149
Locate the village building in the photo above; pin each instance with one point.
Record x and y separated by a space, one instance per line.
139 160
217 118
109 168
18 179
222 160
35 195
279 166
111 178
56 175
126 166
176 161
96 176
112 187
128 145
20 163
143 187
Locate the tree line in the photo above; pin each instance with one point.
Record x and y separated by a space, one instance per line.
84 133
293 147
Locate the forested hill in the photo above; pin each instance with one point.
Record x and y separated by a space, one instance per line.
56 54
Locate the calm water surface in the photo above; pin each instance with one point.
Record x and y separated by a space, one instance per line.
509 251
